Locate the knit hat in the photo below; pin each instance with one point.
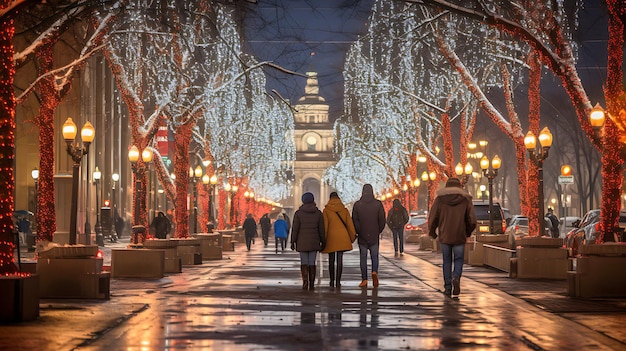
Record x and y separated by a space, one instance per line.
334 194
453 182
307 198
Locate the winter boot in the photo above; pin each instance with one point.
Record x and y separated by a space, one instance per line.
312 272
304 269
338 275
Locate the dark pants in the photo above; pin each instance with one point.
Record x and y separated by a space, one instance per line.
282 241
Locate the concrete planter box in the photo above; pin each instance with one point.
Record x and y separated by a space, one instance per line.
173 262
542 262
607 249
20 298
80 278
598 276
188 249
138 263
475 253
210 246
498 257
489 238
540 242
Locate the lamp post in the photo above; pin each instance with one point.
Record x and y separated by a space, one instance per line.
482 188
97 175
87 133
115 178
538 153
35 174
463 172
428 178
490 173
195 175
234 188
133 157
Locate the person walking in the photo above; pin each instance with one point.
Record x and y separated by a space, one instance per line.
452 219
368 215
281 232
161 226
554 223
266 227
396 219
249 227
340 234
308 237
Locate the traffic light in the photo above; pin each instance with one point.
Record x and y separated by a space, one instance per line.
566 170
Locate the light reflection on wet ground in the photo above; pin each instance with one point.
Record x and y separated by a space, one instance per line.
254 301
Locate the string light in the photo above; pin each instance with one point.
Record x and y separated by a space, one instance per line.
7 149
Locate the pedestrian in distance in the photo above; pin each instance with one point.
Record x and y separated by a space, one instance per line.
249 227
266 227
452 220
554 223
161 226
308 237
396 219
368 215
281 232
340 234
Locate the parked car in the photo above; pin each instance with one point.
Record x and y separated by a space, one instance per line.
507 215
482 218
518 226
588 229
417 224
566 224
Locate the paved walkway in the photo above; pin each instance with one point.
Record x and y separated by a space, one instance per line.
253 301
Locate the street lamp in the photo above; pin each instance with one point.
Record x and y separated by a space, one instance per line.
428 178
195 175
133 157
97 175
463 172
490 173
35 174
115 177
87 134
538 153
482 188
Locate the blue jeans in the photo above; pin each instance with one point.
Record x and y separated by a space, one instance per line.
398 237
447 252
308 258
363 259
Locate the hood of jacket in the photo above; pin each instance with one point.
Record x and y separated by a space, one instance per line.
453 196
397 205
308 207
334 204
368 193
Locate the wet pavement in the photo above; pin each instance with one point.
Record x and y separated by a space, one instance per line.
254 301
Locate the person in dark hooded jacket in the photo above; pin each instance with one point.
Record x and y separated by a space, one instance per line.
396 219
308 237
368 215
452 219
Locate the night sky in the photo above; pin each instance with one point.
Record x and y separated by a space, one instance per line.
287 32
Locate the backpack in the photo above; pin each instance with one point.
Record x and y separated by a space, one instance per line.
396 219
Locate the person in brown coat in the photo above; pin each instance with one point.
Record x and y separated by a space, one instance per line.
452 219
340 234
308 237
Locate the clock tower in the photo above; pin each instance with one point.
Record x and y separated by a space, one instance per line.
314 140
